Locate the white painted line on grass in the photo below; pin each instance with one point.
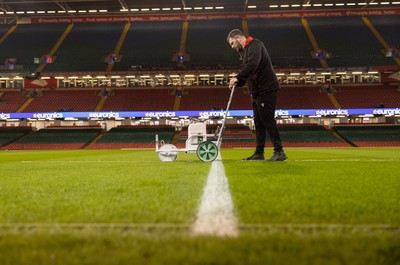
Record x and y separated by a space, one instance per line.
216 212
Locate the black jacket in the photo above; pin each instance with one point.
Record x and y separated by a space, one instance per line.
257 70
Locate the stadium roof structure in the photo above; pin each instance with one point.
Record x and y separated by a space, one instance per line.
20 8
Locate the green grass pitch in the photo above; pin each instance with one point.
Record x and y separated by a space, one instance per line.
322 206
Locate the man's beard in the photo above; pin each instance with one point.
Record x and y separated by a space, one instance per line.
239 47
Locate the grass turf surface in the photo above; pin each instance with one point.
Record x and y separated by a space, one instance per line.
322 206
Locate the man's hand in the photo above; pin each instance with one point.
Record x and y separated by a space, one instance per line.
232 82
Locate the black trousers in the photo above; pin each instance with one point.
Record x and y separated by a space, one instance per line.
264 120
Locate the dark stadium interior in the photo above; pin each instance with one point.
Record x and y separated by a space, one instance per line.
98 98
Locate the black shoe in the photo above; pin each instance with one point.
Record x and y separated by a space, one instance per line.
255 157
278 156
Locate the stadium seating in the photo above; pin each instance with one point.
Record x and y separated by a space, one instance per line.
150 44
64 100
286 41
207 45
56 138
298 97
3 29
386 26
214 99
86 47
371 135
30 41
133 137
139 99
368 96
350 42
10 134
10 101
235 136
307 135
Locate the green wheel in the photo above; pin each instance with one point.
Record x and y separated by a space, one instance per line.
207 151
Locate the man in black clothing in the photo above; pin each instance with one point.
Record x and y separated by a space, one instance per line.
260 77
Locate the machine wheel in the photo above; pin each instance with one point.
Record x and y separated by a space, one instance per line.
167 153
207 151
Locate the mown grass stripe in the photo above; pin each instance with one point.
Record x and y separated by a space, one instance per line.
288 227
6 225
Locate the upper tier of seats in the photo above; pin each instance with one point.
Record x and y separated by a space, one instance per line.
387 25
207 45
349 41
4 29
286 41
86 47
152 44
30 41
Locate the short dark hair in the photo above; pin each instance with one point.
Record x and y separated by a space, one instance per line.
234 33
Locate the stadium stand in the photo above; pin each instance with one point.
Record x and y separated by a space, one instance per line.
349 41
30 41
3 29
133 137
307 135
214 99
386 26
150 45
207 45
368 96
300 97
235 136
10 134
86 47
10 101
56 138
286 41
64 100
139 99
370 135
